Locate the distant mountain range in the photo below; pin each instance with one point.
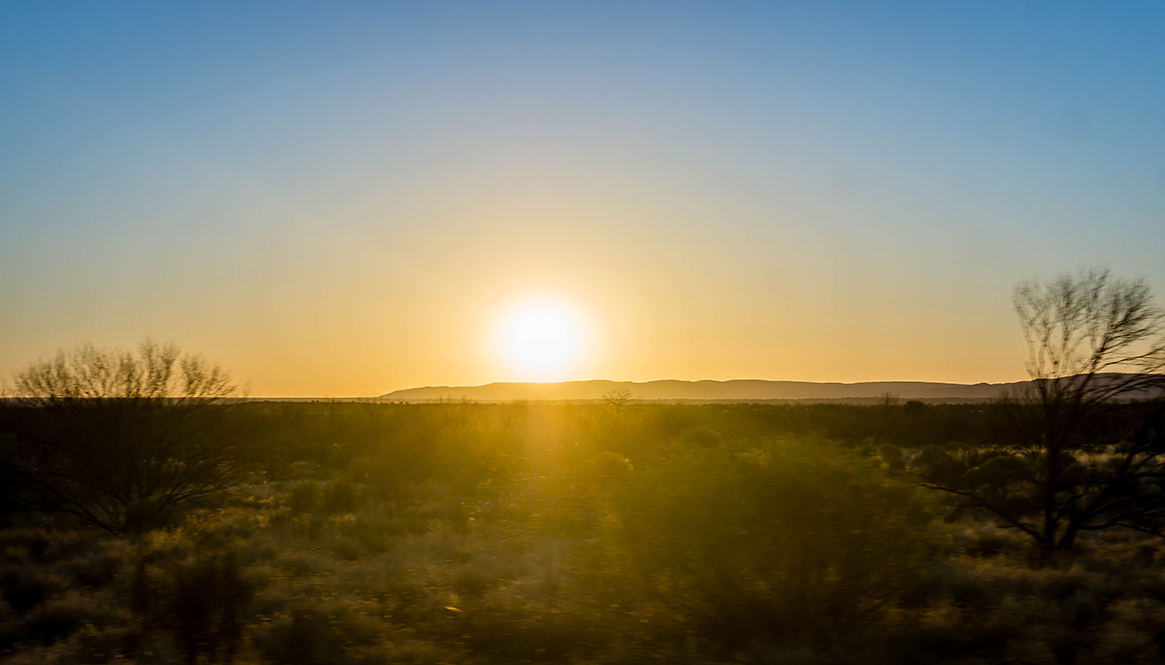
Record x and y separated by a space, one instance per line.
740 390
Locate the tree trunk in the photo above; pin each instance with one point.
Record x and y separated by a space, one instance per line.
1051 474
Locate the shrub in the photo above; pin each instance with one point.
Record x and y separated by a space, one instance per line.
791 543
304 496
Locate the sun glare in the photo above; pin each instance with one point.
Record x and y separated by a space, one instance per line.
542 339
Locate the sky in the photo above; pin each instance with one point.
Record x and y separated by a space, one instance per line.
344 199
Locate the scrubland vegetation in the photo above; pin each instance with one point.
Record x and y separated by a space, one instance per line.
620 532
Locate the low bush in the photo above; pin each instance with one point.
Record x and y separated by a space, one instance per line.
794 543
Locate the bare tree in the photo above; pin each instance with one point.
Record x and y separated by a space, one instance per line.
1092 338
618 400
1096 345
120 439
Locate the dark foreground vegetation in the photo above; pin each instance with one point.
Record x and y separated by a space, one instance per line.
622 532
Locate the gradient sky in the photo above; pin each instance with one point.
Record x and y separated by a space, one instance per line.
339 198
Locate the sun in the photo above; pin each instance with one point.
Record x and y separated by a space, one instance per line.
541 338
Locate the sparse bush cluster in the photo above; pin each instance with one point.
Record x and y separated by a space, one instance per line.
469 533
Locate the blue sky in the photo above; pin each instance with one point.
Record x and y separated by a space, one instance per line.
332 198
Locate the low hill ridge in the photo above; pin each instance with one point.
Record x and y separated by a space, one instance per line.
706 390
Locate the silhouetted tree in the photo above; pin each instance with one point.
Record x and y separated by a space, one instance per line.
1095 345
120 439
618 401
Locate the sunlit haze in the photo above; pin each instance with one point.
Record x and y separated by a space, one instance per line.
349 199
